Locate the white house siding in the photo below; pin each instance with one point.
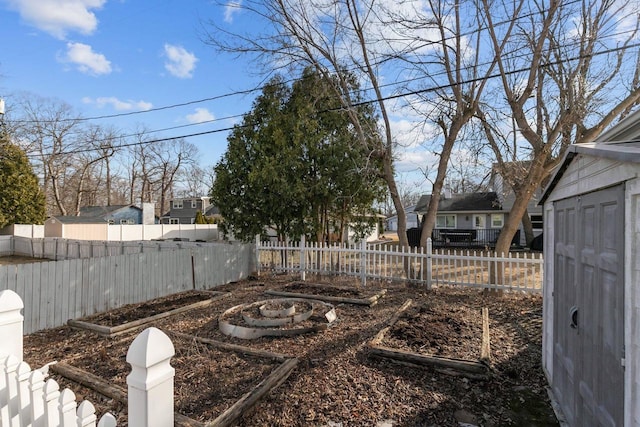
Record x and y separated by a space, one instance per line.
586 174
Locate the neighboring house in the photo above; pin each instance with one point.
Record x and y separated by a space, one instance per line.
468 219
410 214
507 197
76 227
591 317
184 210
212 212
117 214
93 221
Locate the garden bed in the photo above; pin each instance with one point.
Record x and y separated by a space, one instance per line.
198 365
130 316
337 381
329 293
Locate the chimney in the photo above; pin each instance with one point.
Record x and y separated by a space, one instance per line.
447 191
148 213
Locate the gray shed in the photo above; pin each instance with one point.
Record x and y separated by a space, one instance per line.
591 329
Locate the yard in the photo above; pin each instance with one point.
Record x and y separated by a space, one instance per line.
338 380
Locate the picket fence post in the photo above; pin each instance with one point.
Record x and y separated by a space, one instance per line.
11 324
303 267
150 383
363 262
429 261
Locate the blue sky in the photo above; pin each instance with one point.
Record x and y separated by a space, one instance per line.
120 56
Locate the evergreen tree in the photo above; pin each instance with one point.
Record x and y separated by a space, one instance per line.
295 164
200 219
21 199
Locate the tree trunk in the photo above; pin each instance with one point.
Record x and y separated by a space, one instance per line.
528 228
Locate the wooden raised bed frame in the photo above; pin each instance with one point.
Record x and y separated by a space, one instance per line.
469 368
370 301
112 331
225 419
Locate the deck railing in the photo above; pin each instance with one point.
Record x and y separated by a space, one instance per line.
478 238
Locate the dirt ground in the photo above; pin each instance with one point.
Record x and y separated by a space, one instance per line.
337 381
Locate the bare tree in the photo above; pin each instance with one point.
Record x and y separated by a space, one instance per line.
170 157
563 78
49 129
332 37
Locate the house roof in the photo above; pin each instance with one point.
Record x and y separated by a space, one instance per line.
620 143
465 202
102 211
211 211
407 210
72 219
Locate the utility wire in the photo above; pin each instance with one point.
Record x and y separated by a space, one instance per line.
363 103
261 87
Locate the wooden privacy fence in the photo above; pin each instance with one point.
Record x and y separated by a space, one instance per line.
27 400
56 291
512 271
58 248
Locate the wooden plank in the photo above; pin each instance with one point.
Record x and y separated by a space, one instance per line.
421 359
77 287
250 399
119 329
86 286
380 335
25 287
87 379
234 347
63 295
4 271
45 290
356 301
485 350
35 300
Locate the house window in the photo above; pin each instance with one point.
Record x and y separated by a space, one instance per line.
174 220
536 222
177 204
497 220
194 204
446 221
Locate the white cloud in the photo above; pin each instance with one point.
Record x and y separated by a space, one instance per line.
58 17
180 62
201 115
86 60
232 8
118 104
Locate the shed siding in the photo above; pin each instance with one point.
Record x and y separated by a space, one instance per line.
632 326
586 174
583 175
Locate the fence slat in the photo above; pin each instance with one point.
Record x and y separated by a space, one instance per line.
424 265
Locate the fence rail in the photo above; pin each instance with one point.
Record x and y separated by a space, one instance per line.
482 269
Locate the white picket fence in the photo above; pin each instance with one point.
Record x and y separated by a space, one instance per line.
27 400
512 271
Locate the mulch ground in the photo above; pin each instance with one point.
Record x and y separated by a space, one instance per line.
337 382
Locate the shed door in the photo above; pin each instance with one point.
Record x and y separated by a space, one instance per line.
588 378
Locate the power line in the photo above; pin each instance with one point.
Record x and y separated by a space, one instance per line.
358 104
258 88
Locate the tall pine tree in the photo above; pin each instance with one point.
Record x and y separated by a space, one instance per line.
21 199
295 164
